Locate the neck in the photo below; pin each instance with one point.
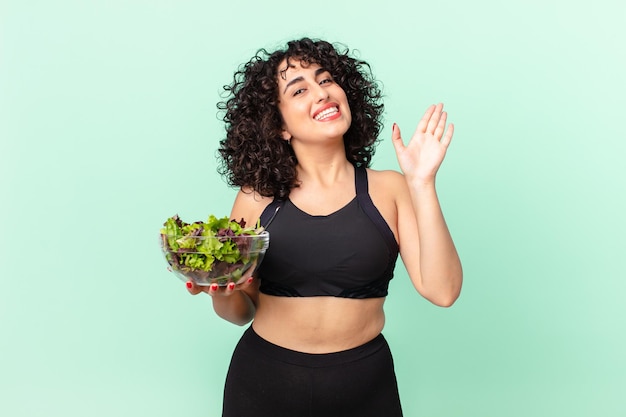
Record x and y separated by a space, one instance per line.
322 162
324 171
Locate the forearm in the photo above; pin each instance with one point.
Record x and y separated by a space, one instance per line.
237 308
440 267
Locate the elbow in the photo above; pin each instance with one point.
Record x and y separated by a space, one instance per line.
237 316
242 322
239 321
237 308
452 293
446 297
246 319
445 301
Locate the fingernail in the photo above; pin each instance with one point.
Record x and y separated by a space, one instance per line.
231 285
393 128
250 280
189 284
214 287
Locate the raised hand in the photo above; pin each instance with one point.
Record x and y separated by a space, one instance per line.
422 157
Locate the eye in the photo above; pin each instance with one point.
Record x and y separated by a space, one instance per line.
326 81
298 91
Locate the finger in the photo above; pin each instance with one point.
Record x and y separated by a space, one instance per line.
423 123
445 141
193 288
434 119
212 289
441 126
229 288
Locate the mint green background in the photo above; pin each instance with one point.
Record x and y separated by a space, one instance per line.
108 126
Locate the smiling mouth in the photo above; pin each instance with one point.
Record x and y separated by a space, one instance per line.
325 114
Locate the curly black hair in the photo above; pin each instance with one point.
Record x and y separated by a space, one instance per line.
254 153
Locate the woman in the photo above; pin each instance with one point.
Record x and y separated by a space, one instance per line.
302 124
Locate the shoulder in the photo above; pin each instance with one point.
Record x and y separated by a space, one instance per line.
389 187
249 205
388 192
391 181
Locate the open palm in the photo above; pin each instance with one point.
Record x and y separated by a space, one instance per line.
422 156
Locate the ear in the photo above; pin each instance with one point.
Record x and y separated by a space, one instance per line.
286 135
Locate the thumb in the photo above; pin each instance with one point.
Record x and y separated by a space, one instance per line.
396 138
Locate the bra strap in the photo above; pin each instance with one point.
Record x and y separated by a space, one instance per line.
270 212
366 203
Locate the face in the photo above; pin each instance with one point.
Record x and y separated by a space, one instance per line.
312 105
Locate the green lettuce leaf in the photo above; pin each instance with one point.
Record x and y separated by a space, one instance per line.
201 246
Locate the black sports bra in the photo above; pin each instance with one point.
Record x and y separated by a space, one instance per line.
350 253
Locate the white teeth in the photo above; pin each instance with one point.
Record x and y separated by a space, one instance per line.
326 113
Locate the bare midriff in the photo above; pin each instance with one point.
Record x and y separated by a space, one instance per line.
318 324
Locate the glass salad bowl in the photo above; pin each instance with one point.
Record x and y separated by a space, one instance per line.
220 260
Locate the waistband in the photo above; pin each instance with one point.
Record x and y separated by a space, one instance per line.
253 341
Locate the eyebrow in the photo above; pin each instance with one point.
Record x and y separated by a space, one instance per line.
300 78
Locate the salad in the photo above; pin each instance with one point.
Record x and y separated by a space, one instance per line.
219 250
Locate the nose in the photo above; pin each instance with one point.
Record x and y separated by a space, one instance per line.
320 93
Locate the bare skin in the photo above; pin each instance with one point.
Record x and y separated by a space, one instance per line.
309 324
408 203
305 324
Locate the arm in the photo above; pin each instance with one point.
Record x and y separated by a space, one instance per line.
237 304
426 246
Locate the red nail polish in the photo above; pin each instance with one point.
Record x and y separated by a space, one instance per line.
231 285
189 284
213 287
250 280
393 128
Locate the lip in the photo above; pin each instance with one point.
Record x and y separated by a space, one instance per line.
326 107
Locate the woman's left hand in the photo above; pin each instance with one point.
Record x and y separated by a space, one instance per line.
421 158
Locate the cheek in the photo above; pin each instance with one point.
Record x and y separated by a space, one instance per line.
283 111
293 112
346 103
348 113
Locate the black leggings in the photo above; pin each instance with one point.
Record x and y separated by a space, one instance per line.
266 380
